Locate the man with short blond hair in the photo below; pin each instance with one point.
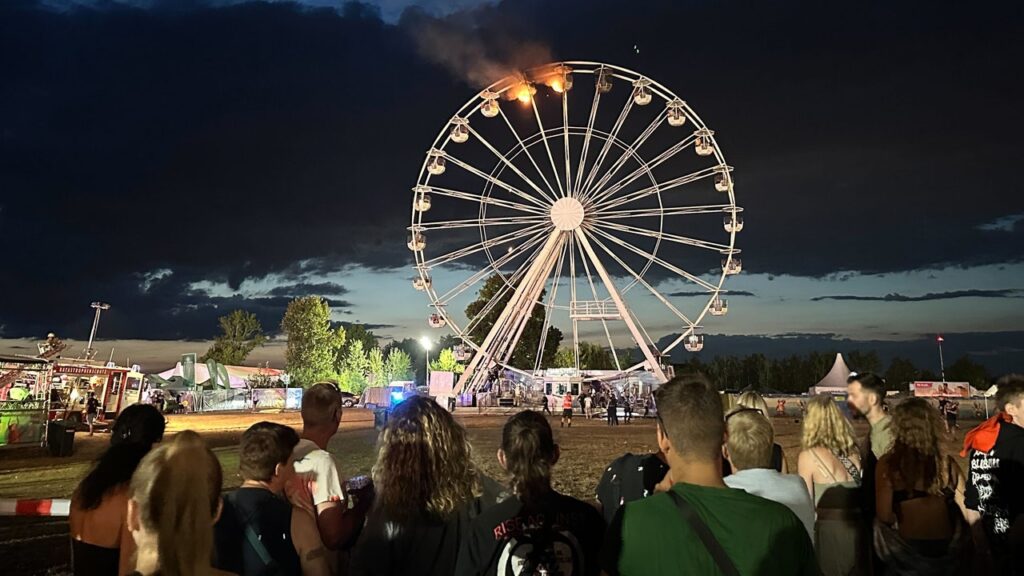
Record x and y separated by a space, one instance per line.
749 452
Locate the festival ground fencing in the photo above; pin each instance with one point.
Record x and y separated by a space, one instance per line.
246 399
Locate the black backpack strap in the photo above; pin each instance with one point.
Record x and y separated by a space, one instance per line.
705 535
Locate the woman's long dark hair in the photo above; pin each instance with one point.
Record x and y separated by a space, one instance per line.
133 434
529 448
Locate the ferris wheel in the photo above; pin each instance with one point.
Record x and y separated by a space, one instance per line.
582 197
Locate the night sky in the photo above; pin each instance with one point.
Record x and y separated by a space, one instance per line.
179 159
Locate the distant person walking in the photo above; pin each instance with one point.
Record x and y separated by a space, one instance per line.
567 410
588 406
952 415
613 411
92 406
547 402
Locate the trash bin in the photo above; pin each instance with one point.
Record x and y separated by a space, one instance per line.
380 417
60 437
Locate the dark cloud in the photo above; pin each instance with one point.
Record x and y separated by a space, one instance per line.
227 143
895 297
309 289
683 294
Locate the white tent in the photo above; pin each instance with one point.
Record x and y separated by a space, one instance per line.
202 375
835 381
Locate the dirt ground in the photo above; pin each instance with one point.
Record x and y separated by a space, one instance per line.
34 546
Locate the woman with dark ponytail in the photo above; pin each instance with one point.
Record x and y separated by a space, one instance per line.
536 530
100 542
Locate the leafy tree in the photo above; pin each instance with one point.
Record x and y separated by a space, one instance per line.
312 343
967 370
525 353
900 374
446 362
375 367
358 332
354 369
864 361
241 333
397 365
564 358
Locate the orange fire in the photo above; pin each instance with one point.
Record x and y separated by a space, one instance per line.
556 85
524 92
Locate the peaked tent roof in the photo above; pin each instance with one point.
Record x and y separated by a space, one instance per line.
836 377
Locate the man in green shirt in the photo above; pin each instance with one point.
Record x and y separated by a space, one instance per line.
650 537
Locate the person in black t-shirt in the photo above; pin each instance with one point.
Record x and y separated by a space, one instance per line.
535 531
92 406
629 477
254 534
995 477
426 493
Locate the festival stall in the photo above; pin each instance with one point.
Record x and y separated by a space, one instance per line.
834 382
23 398
114 386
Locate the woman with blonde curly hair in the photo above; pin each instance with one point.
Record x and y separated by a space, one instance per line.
426 492
830 465
920 516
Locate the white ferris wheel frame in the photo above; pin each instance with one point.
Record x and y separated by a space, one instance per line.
550 237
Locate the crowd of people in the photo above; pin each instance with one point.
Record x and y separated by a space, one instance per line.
715 498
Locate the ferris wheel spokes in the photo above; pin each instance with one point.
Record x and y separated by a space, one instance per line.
604 322
493 180
547 147
654 258
552 297
627 152
552 196
487 271
612 137
510 282
504 160
686 240
631 324
655 189
586 142
484 245
676 211
475 222
471 197
654 163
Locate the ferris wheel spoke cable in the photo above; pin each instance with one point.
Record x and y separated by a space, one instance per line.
685 240
677 211
551 300
643 282
509 284
627 153
668 266
657 188
504 160
547 147
586 141
479 246
475 222
487 271
654 163
593 290
612 136
551 196
472 197
497 182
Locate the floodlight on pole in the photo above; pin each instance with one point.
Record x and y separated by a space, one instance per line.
89 351
942 365
426 343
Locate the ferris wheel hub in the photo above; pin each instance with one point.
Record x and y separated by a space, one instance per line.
567 214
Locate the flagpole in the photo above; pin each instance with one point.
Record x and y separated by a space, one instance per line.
942 364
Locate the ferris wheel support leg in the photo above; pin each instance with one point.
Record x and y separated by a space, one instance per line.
652 363
512 318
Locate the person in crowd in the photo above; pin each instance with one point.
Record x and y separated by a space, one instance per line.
257 531
627 407
173 504
92 407
536 530
952 415
588 406
866 398
755 401
627 478
920 523
101 543
830 465
613 410
995 498
567 409
427 491
749 452
318 486
699 525
547 405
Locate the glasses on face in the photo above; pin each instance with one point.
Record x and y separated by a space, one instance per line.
741 410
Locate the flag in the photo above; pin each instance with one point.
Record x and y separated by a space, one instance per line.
940 338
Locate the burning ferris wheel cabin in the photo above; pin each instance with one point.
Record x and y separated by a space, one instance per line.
600 200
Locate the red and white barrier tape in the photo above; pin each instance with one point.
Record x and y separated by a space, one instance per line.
48 507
